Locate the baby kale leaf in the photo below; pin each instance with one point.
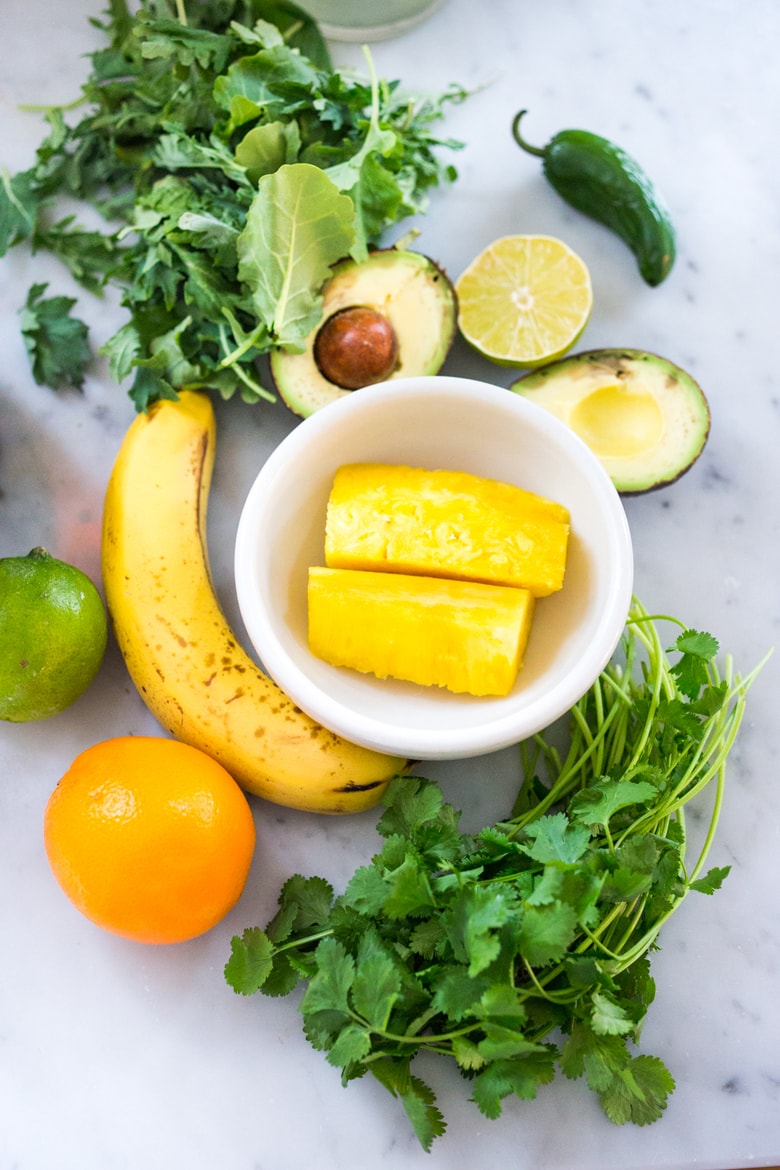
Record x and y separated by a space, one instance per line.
56 342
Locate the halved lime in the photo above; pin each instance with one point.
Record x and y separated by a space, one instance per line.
524 300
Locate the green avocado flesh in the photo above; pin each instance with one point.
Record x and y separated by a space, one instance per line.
644 418
409 290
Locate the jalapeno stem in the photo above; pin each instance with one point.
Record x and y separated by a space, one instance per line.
537 150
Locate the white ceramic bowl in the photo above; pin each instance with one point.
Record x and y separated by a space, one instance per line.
434 422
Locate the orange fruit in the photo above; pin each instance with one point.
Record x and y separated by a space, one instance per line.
149 838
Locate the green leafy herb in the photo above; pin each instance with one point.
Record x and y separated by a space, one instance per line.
523 948
56 342
233 166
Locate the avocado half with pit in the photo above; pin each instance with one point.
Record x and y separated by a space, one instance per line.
645 418
392 315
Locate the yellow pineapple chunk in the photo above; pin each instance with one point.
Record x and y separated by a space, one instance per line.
463 635
400 519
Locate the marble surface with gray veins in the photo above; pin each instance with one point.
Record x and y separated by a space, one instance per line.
115 1056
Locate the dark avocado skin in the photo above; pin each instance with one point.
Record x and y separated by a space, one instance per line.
601 180
626 365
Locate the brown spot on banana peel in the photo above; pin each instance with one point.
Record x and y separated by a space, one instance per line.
352 786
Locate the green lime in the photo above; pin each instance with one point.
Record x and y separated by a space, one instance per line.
53 632
524 300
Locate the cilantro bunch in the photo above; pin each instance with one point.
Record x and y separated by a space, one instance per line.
523 948
234 166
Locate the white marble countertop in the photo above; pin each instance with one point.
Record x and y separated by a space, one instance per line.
115 1056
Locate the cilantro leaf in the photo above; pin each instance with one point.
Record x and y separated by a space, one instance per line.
409 891
609 1018
697 650
410 802
250 962
623 884
712 880
329 987
415 811
500 1003
600 1057
366 890
309 899
546 932
350 1046
639 1092
377 982
502 1043
473 922
416 1097
456 993
597 804
427 938
519 1077
555 839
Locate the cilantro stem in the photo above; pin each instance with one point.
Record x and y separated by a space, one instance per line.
300 941
633 923
427 1040
563 995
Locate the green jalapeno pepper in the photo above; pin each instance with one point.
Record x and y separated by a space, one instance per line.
596 177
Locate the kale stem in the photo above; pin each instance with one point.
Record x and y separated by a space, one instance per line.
249 341
255 387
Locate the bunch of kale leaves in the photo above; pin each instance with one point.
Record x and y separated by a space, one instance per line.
232 166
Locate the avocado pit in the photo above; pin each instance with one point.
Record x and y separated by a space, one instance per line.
392 315
356 347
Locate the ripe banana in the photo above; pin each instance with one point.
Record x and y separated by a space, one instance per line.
179 649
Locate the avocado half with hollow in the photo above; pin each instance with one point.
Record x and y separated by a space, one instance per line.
644 417
392 315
